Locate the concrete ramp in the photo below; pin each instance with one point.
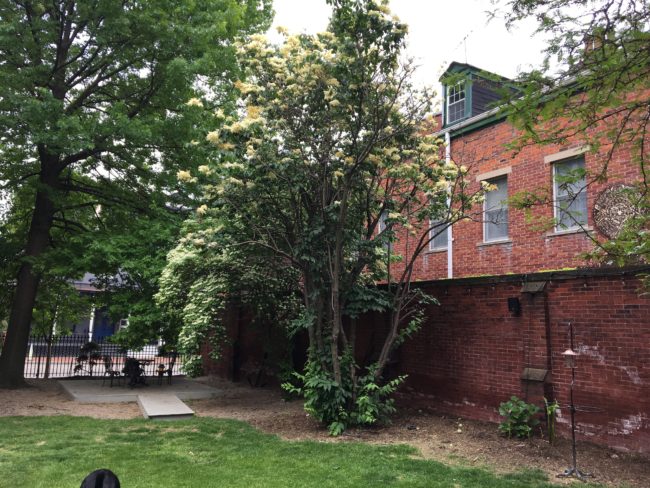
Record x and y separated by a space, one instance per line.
161 406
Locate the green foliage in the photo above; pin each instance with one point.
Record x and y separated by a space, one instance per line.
340 406
44 451
206 273
520 417
96 118
193 365
551 414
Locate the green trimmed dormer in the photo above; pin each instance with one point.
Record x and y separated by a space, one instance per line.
469 91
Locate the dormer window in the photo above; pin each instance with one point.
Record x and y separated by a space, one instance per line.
469 91
455 103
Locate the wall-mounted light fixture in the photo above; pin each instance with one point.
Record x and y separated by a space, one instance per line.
514 306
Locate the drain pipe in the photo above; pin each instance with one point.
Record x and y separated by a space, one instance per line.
91 324
450 238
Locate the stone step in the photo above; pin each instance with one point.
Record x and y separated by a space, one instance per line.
160 406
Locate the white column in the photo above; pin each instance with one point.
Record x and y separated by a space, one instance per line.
91 326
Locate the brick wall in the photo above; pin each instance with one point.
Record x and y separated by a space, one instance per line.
529 249
470 354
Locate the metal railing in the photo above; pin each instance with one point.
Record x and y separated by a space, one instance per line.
73 355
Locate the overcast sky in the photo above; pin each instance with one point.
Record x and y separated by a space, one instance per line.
439 32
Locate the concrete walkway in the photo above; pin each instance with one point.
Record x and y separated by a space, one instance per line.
92 391
161 402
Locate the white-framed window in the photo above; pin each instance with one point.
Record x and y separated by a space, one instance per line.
569 194
439 235
495 211
381 226
455 102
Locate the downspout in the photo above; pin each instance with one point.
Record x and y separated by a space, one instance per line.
450 238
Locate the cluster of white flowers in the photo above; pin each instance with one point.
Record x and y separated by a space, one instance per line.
246 88
184 176
194 102
213 137
236 166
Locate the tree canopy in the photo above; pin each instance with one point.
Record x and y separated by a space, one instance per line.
94 112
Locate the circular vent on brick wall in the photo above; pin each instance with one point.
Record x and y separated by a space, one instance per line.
615 206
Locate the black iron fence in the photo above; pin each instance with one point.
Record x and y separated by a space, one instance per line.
75 355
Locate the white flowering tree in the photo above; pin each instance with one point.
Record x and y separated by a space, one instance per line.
329 162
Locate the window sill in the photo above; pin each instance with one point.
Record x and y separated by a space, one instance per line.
494 243
437 250
568 232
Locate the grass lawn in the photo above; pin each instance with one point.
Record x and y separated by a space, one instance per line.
203 452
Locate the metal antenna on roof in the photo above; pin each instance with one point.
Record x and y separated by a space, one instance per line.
465 46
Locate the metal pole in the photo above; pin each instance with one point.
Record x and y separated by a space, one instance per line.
573 471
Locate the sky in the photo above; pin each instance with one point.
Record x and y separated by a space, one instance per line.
439 32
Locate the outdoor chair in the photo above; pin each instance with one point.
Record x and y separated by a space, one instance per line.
110 371
169 370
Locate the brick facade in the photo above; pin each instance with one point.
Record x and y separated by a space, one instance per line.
470 354
528 248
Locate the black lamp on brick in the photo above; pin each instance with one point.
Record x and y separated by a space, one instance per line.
514 306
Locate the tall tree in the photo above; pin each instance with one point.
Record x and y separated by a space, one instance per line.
593 87
330 158
92 93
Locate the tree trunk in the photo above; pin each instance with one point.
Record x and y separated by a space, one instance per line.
12 360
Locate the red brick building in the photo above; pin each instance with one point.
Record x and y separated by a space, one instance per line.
503 241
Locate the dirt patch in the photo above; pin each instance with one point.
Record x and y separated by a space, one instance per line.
46 397
437 437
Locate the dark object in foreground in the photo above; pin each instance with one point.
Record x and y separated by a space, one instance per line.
101 478
133 370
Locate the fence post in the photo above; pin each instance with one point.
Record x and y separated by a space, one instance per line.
49 356
38 364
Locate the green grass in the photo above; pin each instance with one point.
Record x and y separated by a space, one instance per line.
59 451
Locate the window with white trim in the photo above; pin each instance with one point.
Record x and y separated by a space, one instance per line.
455 102
570 194
495 211
438 233
381 226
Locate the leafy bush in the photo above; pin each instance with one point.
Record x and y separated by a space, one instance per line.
519 417
551 414
193 366
336 405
